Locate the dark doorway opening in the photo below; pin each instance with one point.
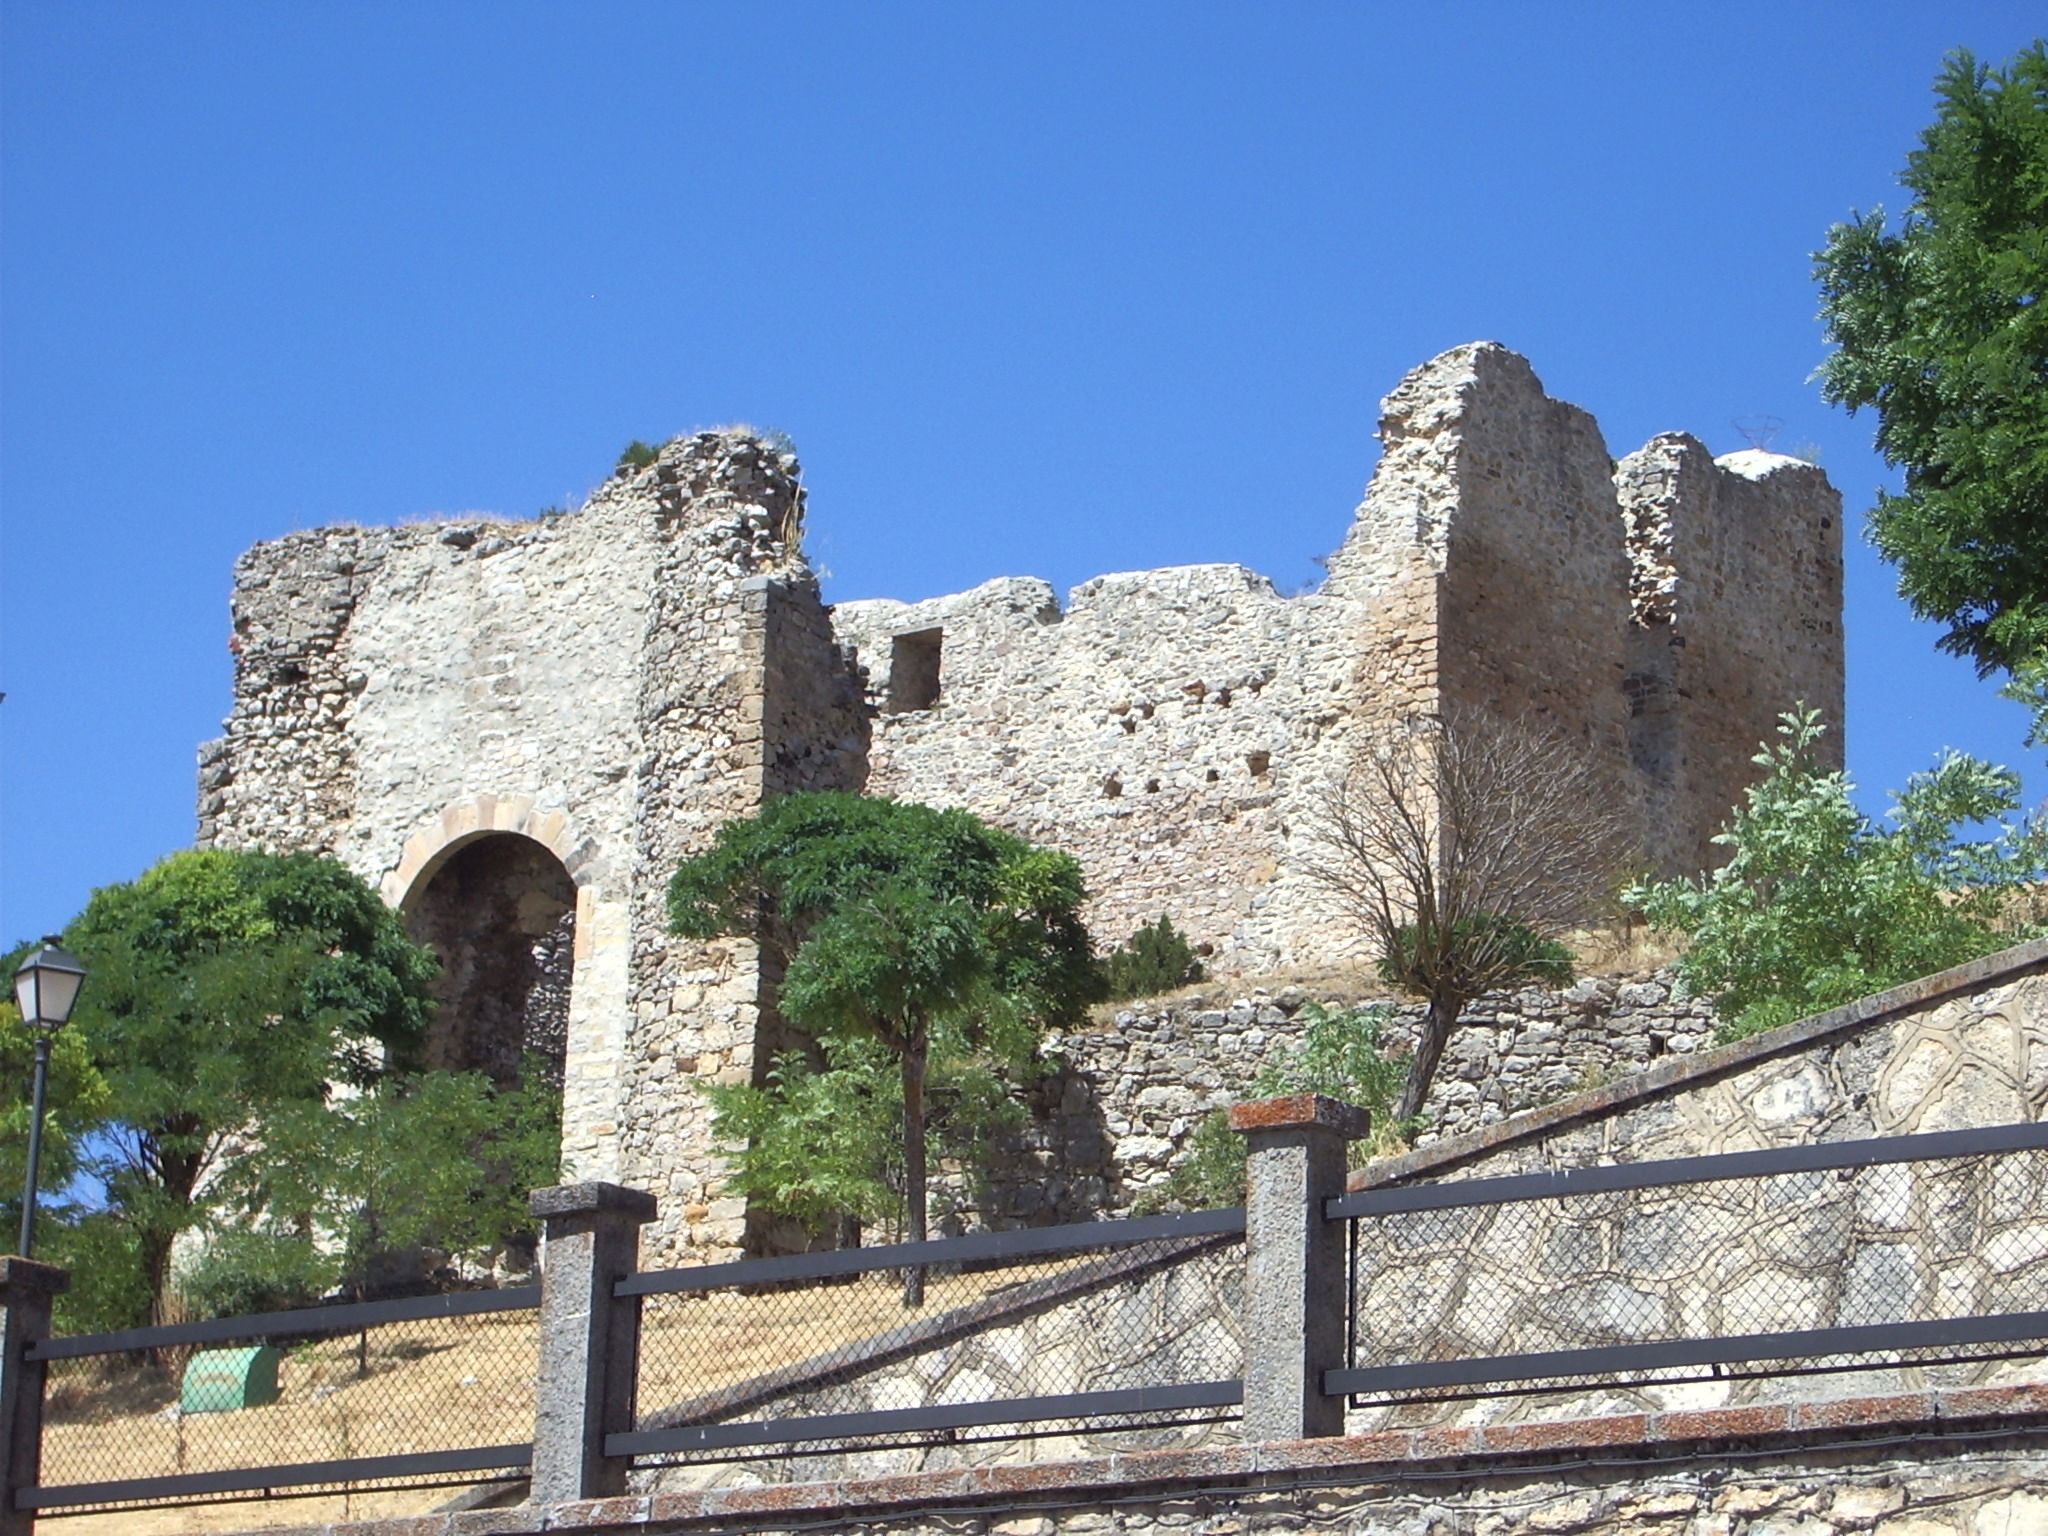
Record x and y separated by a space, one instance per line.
501 913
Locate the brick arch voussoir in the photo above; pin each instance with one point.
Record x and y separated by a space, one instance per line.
471 819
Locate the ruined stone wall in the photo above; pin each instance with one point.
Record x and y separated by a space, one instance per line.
1508 496
592 684
792 719
1178 729
1112 1119
283 774
614 684
476 670
1733 557
1156 728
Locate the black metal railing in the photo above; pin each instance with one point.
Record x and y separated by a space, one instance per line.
1901 1252
1093 1328
384 1394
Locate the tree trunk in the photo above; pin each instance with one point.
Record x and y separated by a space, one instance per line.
1435 1033
177 1177
156 1270
913 1161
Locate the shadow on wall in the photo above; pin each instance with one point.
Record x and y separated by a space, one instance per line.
501 914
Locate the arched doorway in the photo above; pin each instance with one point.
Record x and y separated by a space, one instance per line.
500 911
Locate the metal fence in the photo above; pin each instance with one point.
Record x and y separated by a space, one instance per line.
1927 1252
380 1394
1101 1327
1925 1256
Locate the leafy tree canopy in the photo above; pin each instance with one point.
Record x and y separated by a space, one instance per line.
439 1160
1941 325
896 920
1818 905
240 1063
957 907
77 1101
823 1141
228 990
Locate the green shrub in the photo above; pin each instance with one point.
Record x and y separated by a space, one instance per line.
109 1289
1491 943
1339 1055
240 1272
1209 1176
1157 959
824 1142
1819 905
637 455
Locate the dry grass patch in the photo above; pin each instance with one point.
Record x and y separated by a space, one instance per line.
694 1343
1617 949
438 1385
1622 949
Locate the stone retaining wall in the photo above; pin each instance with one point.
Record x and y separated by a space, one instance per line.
1113 1119
1155 1315
1966 1048
1965 1463
1895 1243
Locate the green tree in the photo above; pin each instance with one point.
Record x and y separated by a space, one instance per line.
439 1160
1818 905
77 1103
823 1144
228 993
891 920
1941 324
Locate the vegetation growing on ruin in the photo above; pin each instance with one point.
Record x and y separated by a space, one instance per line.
637 455
1341 1053
1157 958
1819 905
901 926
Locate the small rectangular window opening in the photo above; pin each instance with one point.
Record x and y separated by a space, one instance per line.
914 671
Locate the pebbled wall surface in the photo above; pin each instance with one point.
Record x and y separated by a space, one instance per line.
1175 728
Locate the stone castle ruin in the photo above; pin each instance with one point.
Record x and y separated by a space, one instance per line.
518 730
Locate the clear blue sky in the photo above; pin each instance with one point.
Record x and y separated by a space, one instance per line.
1037 289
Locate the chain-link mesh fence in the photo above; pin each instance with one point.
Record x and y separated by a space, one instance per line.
328 1408
820 1365
1872 1247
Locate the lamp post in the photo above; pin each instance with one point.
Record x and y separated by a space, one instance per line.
46 986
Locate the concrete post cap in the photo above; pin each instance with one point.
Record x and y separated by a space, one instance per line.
19 1275
1299 1111
591 1199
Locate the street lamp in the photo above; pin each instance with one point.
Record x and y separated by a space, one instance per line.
46 986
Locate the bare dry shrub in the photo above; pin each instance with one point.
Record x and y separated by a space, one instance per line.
1464 846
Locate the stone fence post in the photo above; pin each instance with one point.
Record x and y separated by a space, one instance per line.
26 1291
589 1341
1294 1262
